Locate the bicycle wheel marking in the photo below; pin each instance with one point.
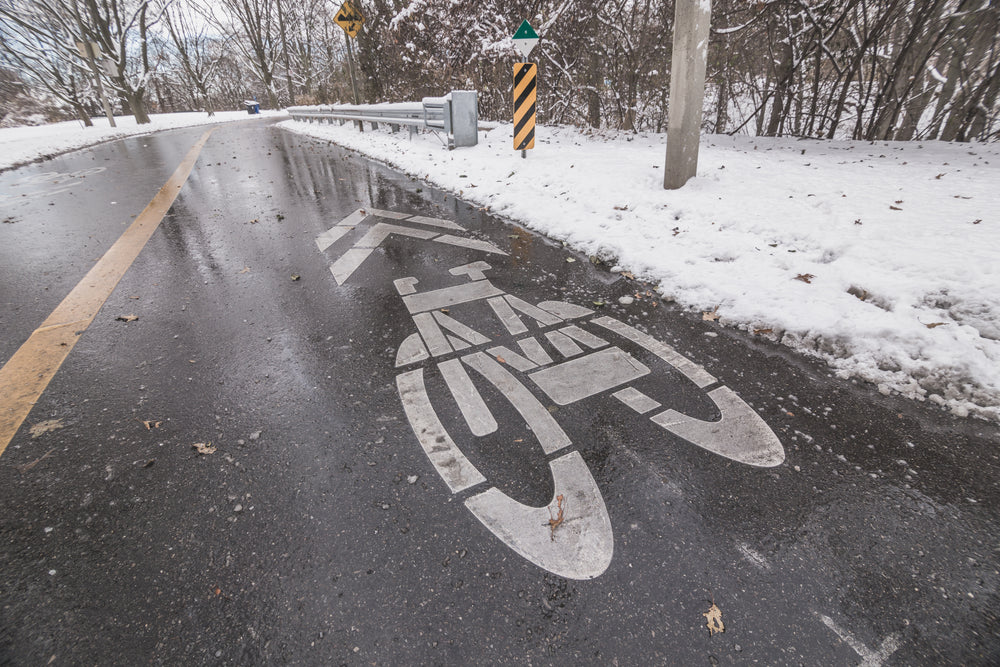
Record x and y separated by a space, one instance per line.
566 362
449 461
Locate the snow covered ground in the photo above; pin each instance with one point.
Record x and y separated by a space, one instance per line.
883 259
21 145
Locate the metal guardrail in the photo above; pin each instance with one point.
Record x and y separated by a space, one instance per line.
456 114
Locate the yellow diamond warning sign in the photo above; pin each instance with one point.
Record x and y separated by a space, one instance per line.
350 18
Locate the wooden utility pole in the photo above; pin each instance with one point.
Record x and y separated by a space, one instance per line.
692 19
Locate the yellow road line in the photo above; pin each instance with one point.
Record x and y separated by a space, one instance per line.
26 375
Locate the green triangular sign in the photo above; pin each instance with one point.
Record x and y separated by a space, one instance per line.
525 32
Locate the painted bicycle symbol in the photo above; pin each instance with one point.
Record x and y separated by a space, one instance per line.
561 351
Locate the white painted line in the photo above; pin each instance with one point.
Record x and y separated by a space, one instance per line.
541 316
474 244
432 334
456 470
470 402
394 215
353 219
691 370
460 329
379 232
349 263
550 435
582 545
740 435
507 316
450 296
564 344
534 351
636 400
473 270
330 236
563 310
435 222
869 658
406 286
585 337
580 378
512 358
411 351
457 343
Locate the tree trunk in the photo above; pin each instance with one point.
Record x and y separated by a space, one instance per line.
138 106
722 108
81 112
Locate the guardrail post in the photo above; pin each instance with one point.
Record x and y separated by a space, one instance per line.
462 118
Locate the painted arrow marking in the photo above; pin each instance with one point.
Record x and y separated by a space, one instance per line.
345 266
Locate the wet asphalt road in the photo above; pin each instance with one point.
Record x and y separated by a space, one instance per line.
304 538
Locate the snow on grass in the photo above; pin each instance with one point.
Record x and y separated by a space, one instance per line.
883 259
21 145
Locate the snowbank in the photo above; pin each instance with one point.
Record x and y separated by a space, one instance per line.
883 259
21 145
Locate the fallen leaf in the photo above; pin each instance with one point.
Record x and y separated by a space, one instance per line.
204 447
711 316
149 424
938 177
570 259
934 325
246 269
254 221
598 303
501 360
762 331
296 276
28 466
628 274
44 427
976 222
127 318
899 201
621 208
805 277
895 208
556 522
713 619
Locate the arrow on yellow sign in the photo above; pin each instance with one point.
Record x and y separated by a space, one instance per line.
350 18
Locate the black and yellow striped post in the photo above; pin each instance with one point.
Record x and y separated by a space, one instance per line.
525 77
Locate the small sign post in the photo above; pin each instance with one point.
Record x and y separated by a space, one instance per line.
91 52
525 39
350 18
525 90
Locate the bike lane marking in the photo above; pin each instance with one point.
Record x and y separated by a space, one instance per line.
571 535
28 372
